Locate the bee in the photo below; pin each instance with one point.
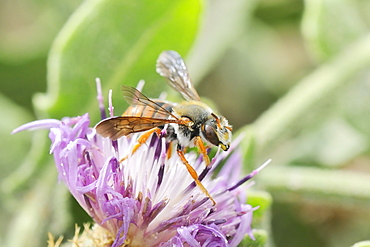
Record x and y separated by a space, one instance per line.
188 124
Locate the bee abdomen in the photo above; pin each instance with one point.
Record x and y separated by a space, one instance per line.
147 111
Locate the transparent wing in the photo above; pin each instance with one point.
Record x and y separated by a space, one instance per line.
134 97
171 66
117 127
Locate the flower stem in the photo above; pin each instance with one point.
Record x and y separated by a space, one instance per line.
332 187
306 94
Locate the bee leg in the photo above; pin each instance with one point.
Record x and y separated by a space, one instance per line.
169 151
193 174
202 149
142 139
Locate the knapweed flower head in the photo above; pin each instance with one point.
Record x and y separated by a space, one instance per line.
149 199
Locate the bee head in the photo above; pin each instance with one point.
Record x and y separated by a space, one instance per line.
217 131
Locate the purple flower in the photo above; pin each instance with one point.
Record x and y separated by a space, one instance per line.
148 199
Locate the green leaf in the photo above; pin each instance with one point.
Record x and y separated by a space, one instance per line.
33 214
119 42
13 116
260 236
36 22
22 166
248 146
224 23
263 200
362 244
330 25
13 149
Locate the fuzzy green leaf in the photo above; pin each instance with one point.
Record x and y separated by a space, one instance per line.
263 200
362 244
119 42
13 116
260 240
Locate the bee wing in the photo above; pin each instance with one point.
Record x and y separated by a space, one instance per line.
117 127
171 66
135 97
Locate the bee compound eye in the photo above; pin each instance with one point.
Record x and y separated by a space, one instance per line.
210 134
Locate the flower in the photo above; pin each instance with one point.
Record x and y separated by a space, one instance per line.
148 199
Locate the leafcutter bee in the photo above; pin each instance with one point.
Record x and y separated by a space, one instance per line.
189 123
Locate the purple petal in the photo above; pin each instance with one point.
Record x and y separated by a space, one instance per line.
173 242
100 98
201 235
185 233
243 229
38 124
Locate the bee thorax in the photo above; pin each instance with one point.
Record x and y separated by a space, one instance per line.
182 134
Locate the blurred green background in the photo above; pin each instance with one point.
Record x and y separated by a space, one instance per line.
293 75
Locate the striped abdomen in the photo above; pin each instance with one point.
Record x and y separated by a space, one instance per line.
150 112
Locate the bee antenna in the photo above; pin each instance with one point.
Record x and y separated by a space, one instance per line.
218 122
